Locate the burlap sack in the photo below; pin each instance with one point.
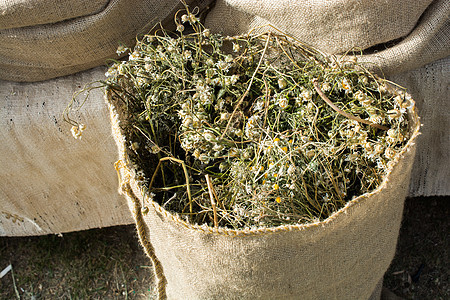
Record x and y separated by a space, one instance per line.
50 38
429 86
50 182
343 257
20 13
396 36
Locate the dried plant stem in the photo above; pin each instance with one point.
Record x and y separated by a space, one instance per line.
211 196
150 140
248 88
186 175
247 119
345 114
14 284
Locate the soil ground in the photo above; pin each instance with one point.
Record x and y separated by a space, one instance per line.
109 263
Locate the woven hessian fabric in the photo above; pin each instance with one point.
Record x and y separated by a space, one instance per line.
395 36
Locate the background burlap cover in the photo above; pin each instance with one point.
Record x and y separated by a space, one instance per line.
23 13
50 182
396 35
49 38
343 257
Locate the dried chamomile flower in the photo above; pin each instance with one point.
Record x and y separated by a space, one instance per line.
121 49
250 112
77 131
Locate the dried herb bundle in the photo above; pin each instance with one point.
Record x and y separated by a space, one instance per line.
254 130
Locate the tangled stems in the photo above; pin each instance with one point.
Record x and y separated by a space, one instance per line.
345 114
264 131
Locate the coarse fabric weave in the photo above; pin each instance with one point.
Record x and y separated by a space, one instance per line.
430 87
396 36
49 182
44 39
343 257
23 13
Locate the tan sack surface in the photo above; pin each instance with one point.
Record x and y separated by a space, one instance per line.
397 35
50 182
343 257
49 38
430 87
23 13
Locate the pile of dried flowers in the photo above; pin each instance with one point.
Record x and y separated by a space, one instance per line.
256 130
